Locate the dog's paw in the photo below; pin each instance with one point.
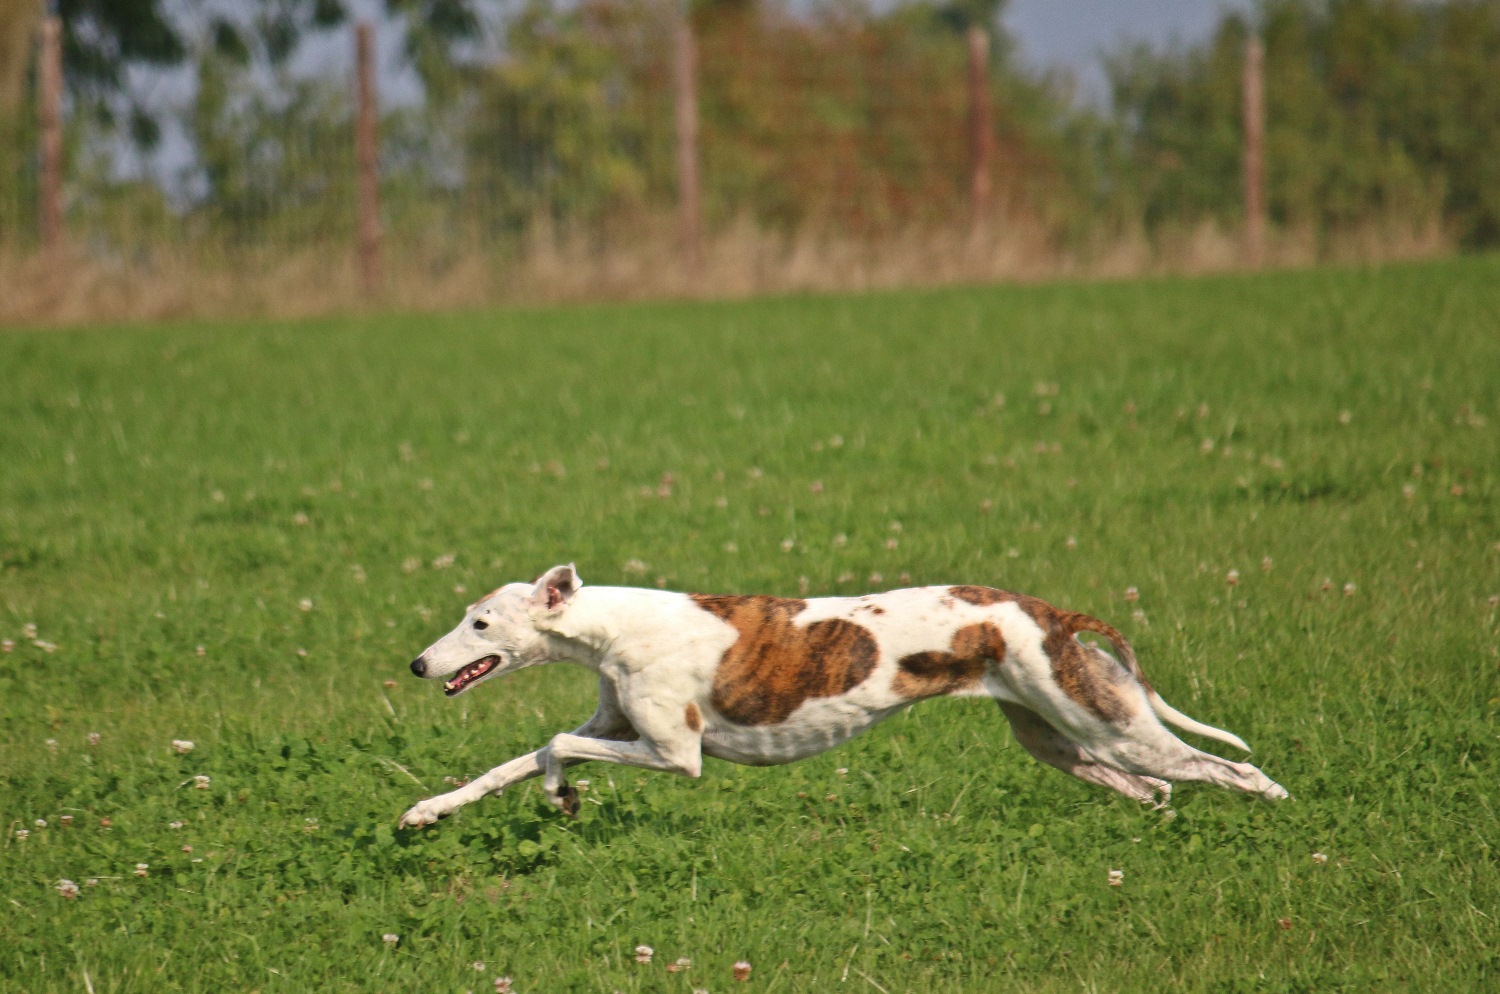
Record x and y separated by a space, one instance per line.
1275 792
566 800
421 815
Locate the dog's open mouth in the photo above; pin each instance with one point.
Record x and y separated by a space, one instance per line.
466 676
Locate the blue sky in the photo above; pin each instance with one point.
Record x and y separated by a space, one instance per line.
1071 34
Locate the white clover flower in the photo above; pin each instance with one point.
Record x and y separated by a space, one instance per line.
28 630
1232 578
681 964
305 604
444 561
502 985
1320 858
201 782
742 971
23 834
45 646
175 825
93 738
7 645
65 820
67 888
643 954
390 938
1132 595
41 823
478 966
51 745
142 869
1116 878
182 746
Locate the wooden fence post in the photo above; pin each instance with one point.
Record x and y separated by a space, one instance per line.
49 114
1255 128
981 133
689 190
366 153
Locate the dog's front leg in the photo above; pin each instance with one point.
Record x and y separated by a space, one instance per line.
684 756
518 769
607 722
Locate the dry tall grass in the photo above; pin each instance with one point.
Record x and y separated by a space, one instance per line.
740 260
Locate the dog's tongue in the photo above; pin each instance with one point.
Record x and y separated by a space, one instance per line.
469 674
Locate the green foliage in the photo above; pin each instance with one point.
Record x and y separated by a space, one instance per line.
561 129
278 162
173 487
1372 109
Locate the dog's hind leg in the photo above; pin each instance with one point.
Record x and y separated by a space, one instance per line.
1157 752
1055 749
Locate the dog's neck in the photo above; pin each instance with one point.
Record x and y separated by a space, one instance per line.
584 632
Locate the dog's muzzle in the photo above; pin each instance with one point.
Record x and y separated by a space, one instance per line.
419 666
470 674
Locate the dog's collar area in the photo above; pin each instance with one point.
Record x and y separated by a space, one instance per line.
464 677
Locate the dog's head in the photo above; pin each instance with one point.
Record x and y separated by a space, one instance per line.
503 631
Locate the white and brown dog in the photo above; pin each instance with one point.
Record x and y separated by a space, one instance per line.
768 680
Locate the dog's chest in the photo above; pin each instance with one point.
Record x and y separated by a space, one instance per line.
816 726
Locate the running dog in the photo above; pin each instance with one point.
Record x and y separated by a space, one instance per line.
768 680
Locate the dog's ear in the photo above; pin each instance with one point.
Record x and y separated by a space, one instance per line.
555 588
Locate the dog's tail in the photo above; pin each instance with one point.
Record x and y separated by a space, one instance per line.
1164 711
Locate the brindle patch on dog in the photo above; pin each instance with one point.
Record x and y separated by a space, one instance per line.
776 664
931 674
1086 679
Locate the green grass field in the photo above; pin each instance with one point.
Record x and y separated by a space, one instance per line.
237 534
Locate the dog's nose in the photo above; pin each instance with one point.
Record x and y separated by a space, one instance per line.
419 666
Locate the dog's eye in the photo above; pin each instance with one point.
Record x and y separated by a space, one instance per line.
481 624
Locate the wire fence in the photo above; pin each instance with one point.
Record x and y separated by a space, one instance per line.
616 151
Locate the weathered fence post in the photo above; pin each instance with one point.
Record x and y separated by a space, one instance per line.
366 153
689 190
1255 127
981 133
49 114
